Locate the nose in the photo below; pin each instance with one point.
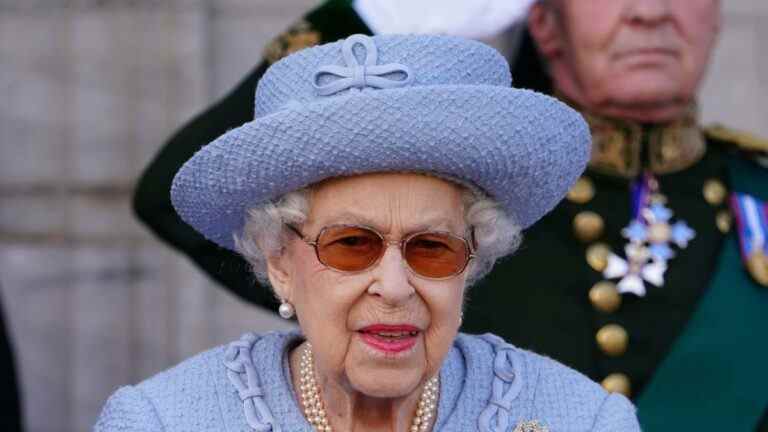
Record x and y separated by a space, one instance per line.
391 278
647 12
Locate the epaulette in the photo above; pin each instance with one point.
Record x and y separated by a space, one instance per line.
748 143
299 36
743 140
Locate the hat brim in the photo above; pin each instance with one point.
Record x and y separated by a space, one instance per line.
524 149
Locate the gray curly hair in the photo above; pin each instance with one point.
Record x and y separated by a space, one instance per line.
265 232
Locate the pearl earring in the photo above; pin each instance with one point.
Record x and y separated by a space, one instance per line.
286 310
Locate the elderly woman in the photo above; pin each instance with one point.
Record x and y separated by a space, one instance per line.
379 179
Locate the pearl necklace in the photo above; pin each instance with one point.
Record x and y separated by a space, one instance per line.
315 411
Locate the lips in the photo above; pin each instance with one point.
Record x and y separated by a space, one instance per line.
390 338
645 51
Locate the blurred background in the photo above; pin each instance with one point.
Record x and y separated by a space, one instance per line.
89 91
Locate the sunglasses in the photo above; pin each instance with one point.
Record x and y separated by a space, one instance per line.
354 248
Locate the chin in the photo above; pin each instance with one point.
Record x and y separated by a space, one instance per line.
645 98
645 87
385 384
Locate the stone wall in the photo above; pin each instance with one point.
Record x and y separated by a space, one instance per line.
89 90
735 92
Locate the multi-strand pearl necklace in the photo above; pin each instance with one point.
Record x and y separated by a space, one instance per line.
315 411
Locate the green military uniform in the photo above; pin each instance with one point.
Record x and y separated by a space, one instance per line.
551 296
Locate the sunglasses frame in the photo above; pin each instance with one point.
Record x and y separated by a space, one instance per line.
400 243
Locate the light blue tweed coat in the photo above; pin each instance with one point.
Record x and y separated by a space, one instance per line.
485 385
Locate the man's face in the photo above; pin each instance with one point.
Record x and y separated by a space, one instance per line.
642 58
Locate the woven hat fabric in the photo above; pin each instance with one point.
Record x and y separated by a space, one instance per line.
432 60
438 104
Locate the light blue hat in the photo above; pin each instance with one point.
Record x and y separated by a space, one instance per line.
420 103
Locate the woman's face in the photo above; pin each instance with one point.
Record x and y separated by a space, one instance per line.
344 315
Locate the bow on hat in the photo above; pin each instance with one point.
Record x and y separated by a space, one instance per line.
358 76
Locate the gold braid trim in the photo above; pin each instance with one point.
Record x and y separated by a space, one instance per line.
743 140
617 145
299 36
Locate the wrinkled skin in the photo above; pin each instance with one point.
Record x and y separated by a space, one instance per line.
362 388
640 60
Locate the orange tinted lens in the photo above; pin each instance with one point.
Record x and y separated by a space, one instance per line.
348 248
436 255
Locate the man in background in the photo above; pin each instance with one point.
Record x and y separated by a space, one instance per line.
645 278
651 276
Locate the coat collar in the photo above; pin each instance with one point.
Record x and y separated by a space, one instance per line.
623 148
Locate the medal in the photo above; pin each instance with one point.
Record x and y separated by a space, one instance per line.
651 235
757 264
752 225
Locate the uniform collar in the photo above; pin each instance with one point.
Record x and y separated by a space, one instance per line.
623 148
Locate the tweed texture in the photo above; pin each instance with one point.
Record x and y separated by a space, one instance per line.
457 117
199 395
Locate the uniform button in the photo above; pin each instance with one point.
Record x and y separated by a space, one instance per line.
612 339
582 192
723 220
714 192
605 297
617 383
588 226
597 256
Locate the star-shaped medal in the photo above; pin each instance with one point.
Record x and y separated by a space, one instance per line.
636 270
650 237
